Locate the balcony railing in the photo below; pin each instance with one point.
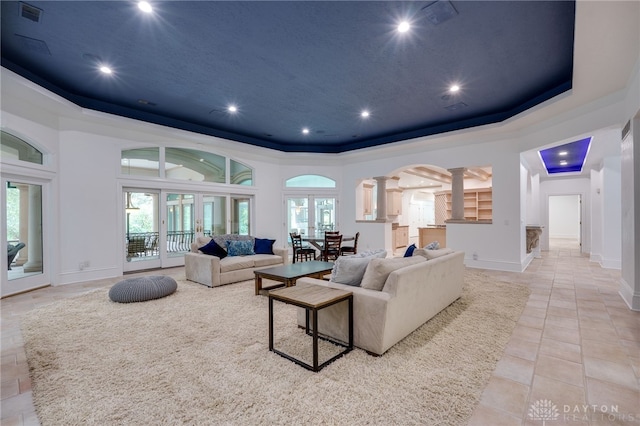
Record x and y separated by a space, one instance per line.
145 244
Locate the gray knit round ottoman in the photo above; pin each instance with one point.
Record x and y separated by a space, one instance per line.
142 288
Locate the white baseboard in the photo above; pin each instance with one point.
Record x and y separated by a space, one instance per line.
493 265
611 263
626 292
72 277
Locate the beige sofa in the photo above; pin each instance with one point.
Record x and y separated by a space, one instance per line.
213 271
411 296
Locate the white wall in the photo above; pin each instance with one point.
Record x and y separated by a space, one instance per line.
564 216
575 186
89 207
596 212
612 224
87 219
630 187
504 232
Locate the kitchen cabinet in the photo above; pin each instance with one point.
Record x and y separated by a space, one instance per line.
394 202
399 236
367 199
432 233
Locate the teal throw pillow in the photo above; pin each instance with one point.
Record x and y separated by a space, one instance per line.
432 246
240 248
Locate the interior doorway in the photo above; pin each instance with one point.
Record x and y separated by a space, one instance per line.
565 222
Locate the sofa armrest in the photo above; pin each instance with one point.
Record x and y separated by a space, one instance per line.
370 314
283 253
202 268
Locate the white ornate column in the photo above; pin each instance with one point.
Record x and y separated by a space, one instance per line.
34 244
381 213
457 193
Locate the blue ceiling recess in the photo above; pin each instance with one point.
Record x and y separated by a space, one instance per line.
566 158
300 74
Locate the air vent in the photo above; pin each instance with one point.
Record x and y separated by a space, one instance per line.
34 45
626 129
30 12
456 107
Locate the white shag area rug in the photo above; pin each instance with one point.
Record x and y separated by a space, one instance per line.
200 356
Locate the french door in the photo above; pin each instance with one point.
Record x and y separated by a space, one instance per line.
23 235
311 214
160 225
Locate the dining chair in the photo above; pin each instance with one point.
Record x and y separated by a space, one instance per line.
300 252
331 247
332 232
350 249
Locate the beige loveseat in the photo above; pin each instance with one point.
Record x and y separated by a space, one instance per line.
411 295
213 271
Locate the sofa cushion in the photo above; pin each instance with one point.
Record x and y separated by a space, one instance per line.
378 270
409 251
432 254
260 260
213 249
240 248
235 263
350 269
263 246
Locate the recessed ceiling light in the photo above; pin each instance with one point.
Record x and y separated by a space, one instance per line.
232 108
563 163
105 69
145 7
305 131
403 27
563 153
454 88
364 114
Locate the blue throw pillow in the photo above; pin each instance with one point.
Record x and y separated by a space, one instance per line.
263 246
240 248
213 249
410 250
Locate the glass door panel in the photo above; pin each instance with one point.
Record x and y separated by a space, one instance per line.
302 219
23 237
240 216
142 237
180 210
298 216
214 214
325 214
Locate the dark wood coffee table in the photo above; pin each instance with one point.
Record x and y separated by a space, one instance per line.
288 274
312 298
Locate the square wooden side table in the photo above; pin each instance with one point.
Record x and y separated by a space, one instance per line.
312 298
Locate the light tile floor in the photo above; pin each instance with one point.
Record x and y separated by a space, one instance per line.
574 355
